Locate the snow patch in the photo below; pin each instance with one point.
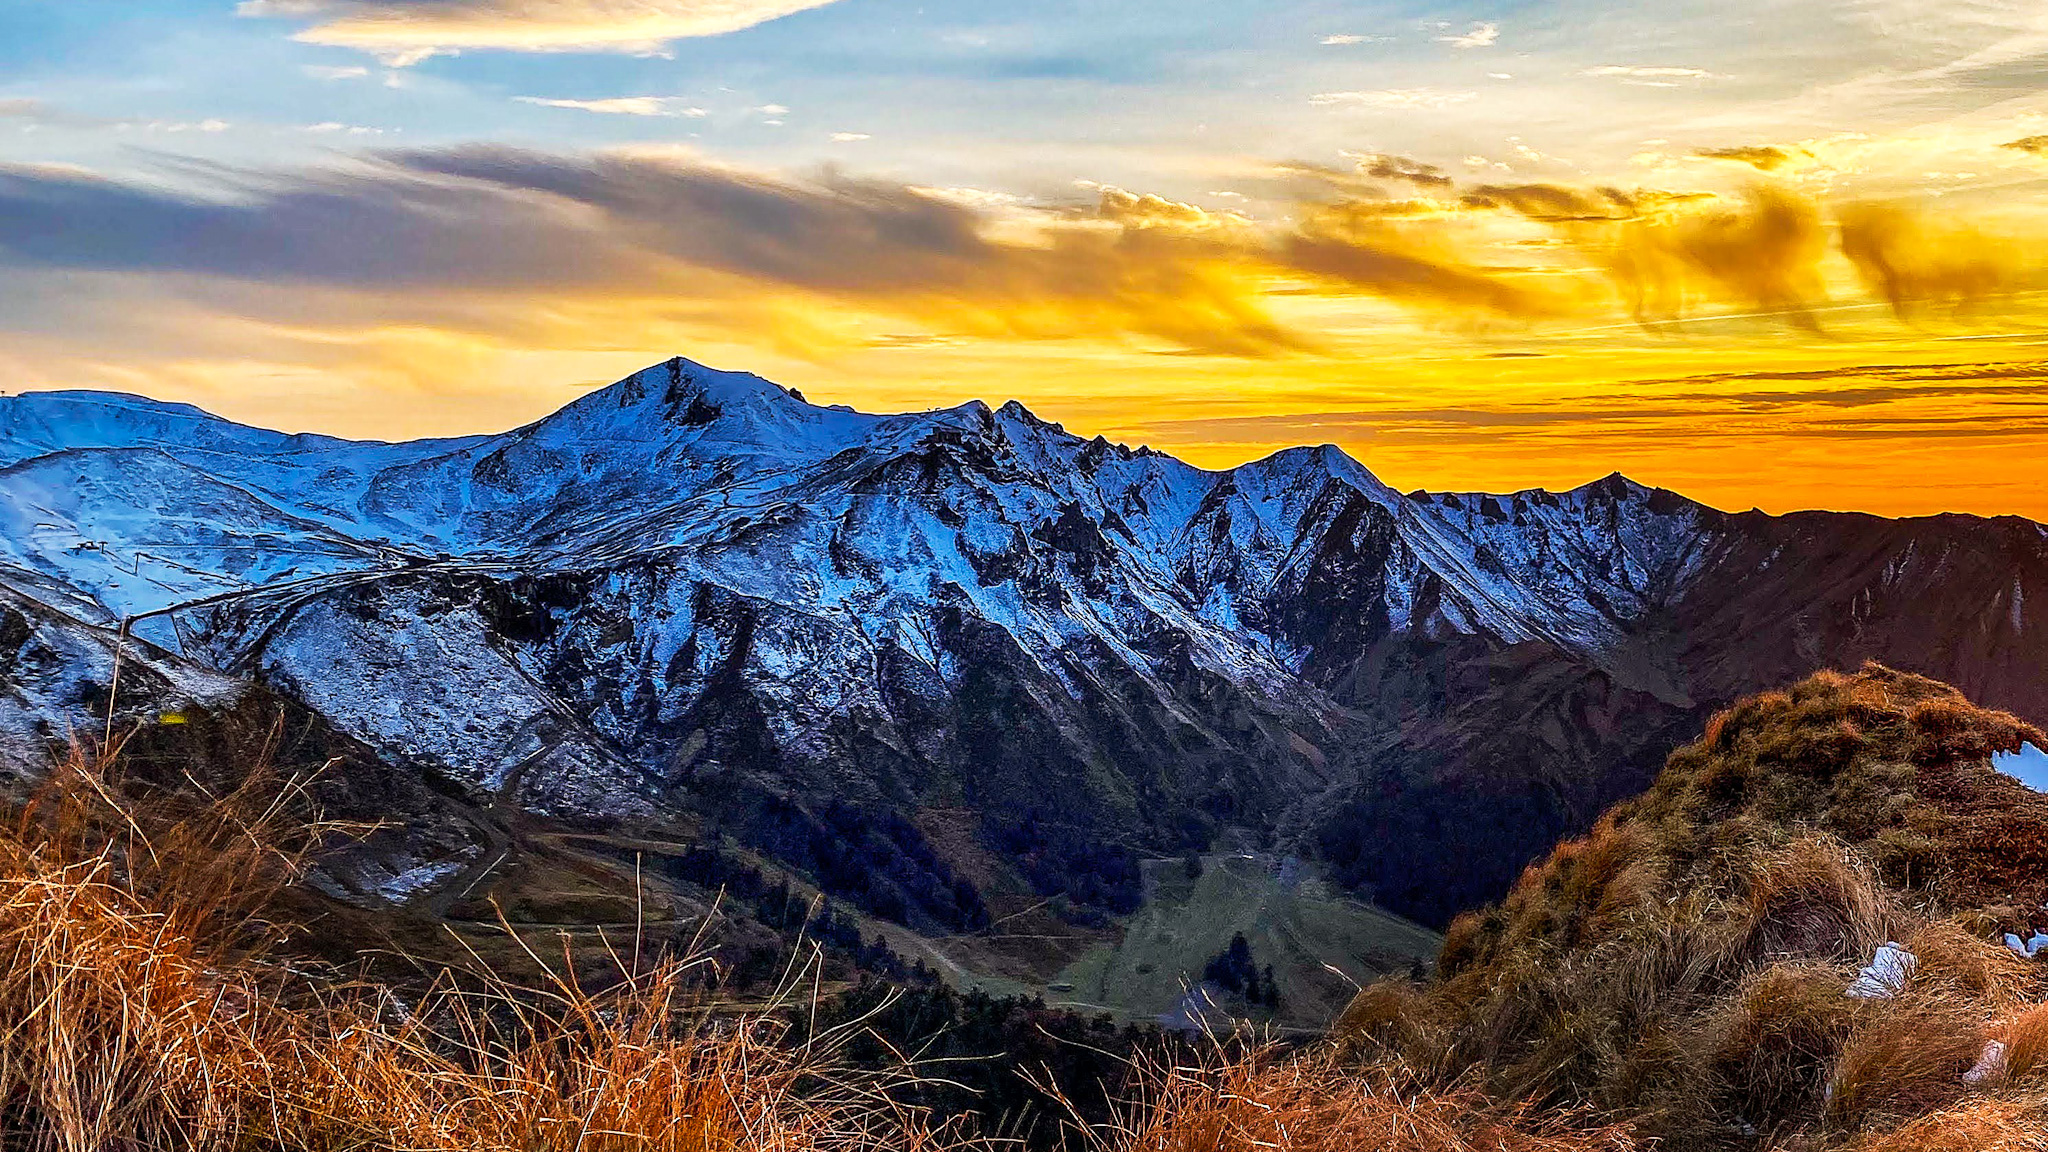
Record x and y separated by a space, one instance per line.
1886 975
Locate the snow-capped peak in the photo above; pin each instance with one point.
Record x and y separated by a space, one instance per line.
683 459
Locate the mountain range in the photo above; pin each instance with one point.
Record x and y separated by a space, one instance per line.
989 652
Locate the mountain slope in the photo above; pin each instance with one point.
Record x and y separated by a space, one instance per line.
692 595
1710 963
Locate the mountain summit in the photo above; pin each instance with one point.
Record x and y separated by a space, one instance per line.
694 597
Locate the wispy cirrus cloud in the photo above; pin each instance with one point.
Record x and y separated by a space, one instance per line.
40 113
1408 99
1650 75
404 32
623 106
1478 36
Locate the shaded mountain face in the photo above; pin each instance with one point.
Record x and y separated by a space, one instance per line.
694 596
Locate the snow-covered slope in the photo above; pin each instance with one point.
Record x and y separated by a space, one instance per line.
146 506
692 590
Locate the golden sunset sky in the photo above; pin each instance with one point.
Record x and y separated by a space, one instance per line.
1768 253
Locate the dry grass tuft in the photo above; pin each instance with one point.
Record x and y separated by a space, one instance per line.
1978 1125
132 984
1967 965
1815 900
1391 1018
1774 1042
1264 1101
2026 1044
1905 1060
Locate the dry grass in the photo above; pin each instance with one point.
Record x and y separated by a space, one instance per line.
1264 1101
1683 967
1774 1042
131 974
141 1006
1905 1061
2026 1044
1815 900
1980 1125
1391 1019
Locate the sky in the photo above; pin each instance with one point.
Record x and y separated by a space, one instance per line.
1769 253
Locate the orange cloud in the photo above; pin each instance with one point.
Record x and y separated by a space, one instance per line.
1914 263
1663 250
1359 247
488 238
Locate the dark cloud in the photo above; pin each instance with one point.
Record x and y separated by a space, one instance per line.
484 228
1869 385
2036 145
1382 269
837 235
1365 182
1990 401
375 227
502 242
1306 427
1767 252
